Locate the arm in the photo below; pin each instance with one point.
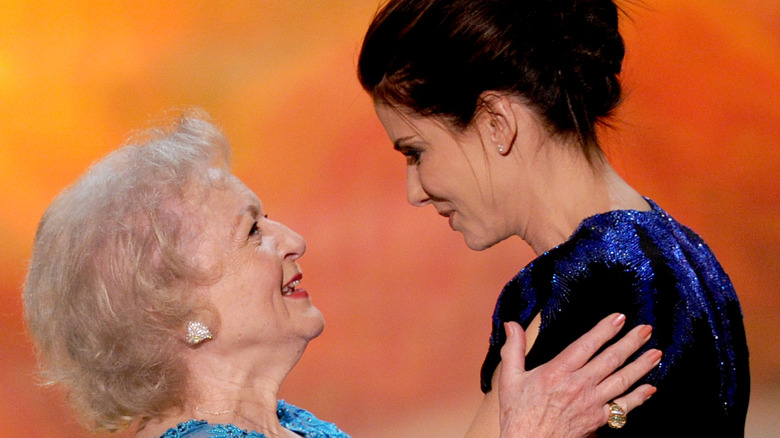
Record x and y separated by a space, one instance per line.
568 396
484 423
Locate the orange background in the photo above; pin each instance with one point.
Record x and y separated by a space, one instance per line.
406 303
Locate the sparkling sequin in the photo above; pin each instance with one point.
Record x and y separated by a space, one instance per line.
655 271
291 417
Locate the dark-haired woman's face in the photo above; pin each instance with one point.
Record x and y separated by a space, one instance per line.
451 171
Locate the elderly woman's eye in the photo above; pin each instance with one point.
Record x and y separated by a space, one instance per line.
254 230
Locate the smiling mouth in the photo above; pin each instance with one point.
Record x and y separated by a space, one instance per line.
449 214
289 288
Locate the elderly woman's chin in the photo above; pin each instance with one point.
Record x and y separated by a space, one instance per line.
306 319
301 323
311 324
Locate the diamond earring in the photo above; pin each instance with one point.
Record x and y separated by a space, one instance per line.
197 332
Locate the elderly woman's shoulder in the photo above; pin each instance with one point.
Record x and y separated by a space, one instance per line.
291 417
203 429
305 423
189 429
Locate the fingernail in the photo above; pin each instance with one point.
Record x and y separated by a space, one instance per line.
656 356
509 329
645 331
650 391
618 320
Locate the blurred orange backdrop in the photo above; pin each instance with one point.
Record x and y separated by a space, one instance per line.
407 304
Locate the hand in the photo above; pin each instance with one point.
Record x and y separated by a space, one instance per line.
568 396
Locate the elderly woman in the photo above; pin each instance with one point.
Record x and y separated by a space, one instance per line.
495 104
159 293
162 297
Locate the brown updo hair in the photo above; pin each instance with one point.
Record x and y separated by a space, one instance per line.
437 57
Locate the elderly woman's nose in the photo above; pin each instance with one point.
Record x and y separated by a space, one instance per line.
290 244
415 193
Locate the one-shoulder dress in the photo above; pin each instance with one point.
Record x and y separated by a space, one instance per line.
656 271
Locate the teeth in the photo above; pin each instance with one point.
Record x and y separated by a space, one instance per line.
287 290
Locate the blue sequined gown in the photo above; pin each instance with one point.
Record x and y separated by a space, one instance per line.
655 271
291 417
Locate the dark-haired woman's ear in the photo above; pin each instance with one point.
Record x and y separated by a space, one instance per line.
497 121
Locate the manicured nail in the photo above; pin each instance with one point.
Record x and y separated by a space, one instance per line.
509 329
650 391
656 355
618 320
645 332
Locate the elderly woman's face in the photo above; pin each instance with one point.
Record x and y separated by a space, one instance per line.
258 296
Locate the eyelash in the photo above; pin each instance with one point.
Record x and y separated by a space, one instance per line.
412 156
255 228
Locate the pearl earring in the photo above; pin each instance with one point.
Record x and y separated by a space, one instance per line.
500 149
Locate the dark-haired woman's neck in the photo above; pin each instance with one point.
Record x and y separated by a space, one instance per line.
572 189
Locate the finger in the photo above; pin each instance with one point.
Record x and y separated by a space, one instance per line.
615 355
579 352
619 382
629 401
513 352
635 398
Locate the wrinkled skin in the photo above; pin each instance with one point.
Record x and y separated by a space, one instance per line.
569 396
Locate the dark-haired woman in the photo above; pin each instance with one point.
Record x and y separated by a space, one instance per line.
495 104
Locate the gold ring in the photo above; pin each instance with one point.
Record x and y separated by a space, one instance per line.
617 416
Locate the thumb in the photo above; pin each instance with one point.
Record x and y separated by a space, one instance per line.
513 351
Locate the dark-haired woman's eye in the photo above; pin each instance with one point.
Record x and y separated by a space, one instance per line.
412 157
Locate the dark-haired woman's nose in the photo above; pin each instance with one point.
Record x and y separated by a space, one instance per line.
415 193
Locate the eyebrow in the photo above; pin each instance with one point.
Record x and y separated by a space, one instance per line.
251 209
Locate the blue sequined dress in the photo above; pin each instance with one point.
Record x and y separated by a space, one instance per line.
291 417
655 271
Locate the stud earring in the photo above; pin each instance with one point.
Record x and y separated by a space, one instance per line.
500 149
197 332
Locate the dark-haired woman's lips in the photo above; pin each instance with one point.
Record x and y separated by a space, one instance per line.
445 213
448 214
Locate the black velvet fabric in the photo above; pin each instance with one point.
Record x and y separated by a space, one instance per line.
655 271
